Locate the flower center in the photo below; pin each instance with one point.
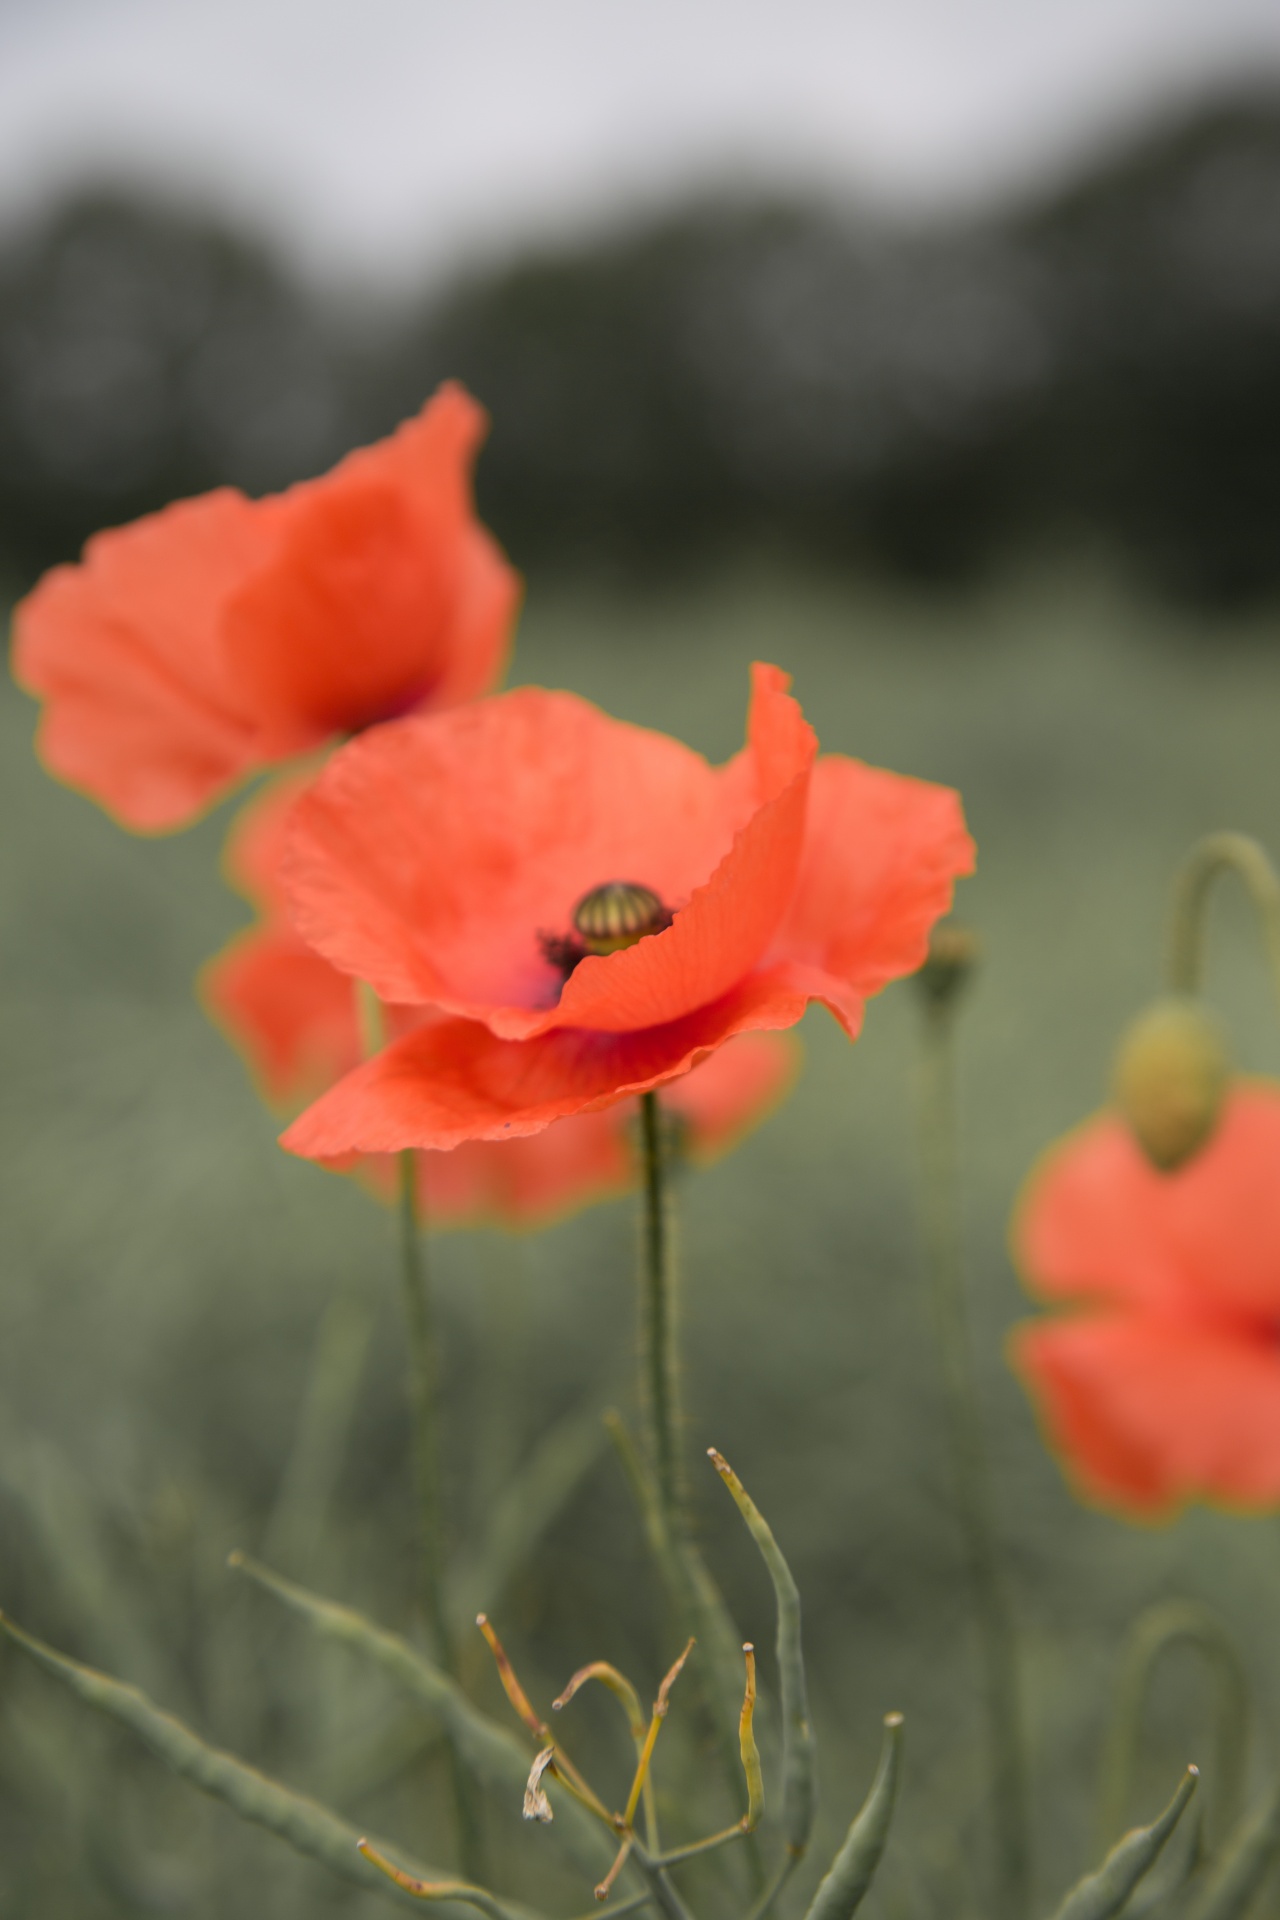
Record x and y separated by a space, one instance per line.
617 914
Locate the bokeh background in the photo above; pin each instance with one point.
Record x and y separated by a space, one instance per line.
933 352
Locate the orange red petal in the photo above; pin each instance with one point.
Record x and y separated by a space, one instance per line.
457 1080
125 651
224 634
431 856
295 1018
1163 1384
881 857
594 1156
434 858
1152 1412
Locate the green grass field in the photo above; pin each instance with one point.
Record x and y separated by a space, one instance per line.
199 1338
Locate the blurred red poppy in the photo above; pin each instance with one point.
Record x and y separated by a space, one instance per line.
595 906
1162 1385
223 634
295 1018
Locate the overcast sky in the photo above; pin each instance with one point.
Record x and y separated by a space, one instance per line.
381 136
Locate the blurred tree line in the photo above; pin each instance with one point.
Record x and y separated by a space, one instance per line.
1102 365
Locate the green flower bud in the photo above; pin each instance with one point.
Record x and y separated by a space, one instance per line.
1170 1078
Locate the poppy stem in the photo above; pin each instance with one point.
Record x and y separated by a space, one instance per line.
660 1367
424 1393
1219 853
974 1502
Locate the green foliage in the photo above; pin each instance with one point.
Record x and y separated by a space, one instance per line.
306 1825
493 1754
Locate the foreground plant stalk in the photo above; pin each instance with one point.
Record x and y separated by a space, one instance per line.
660 1367
424 1391
940 982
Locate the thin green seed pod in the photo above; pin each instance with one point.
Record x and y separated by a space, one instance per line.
1159 1631
439 1891
489 1750
850 1874
1100 1895
309 1828
799 1787
699 1603
1235 1880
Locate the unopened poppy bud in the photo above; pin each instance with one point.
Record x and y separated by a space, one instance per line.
1170 1078
954 951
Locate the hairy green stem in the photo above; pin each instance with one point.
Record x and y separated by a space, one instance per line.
424 1387
424 1391
1009 1790
1219 853
660 1373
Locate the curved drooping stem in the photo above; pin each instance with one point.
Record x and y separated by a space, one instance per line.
659 1353
1188 920
974 1503
1161 1629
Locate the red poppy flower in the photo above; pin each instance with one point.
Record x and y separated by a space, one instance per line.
1163 1384
460 861
223 634
295 1018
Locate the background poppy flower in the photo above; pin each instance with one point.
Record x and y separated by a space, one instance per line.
295 1018
1163 1383
223 634
444 860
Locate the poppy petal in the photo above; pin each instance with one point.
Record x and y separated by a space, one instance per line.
881 857
1223 1206
457 1080
376 565
432 855
594 1156
729 921
732 1091
222 633
291 1013
1093 1222
126 650
256 843
1151 1412
533 1181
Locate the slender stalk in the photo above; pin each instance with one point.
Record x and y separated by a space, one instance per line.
659 1883
660 1372
1009 1792
1219 853
424 1390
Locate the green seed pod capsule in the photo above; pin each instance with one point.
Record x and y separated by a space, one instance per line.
1170 1078
617 915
